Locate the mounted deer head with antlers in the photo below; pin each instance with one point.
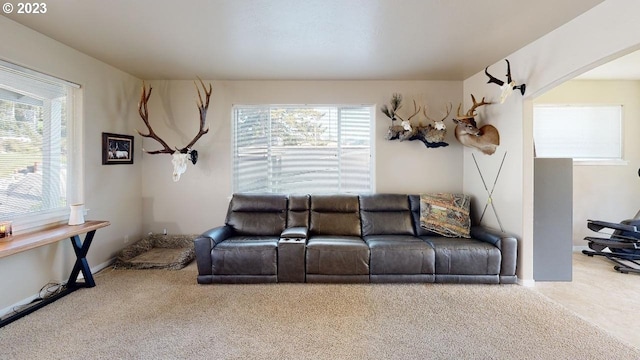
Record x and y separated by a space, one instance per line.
183 155
485 138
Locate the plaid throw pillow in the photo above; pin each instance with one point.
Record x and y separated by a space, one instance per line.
446 214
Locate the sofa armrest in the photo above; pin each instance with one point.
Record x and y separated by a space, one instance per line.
508 245
297 232
204 243
218 234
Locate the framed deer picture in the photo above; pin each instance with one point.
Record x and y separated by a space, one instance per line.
117 149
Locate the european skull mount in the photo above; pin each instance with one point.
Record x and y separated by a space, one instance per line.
506 87
432 135
486 138
183 155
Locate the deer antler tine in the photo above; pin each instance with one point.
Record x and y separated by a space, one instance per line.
144 98
207 92
508 72
492 79
448 108
473 107
416 109
144 114
199 95
203 106
459 115
476 105
424 112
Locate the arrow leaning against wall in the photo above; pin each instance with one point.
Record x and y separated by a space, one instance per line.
490 193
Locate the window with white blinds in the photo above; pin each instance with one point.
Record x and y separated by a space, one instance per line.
35 122
579 132
302 149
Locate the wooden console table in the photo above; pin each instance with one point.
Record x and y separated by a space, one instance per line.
28 241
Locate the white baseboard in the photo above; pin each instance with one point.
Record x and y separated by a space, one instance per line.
28 300
9 309
527 283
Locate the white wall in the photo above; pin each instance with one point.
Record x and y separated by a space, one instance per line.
608 30
609 192
199 200
109 104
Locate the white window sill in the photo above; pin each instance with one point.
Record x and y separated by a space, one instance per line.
37 221
608 162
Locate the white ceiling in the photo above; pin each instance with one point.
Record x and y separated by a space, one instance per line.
301 39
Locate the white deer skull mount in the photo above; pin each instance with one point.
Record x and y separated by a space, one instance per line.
180 157
180 160
506 88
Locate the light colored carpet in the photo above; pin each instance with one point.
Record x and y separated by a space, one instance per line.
160 314
600 295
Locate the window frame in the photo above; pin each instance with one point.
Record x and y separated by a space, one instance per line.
338 107
75 157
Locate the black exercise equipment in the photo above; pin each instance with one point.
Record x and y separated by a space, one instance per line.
623 245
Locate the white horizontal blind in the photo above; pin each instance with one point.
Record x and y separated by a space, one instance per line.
355 149
578 132
302 149
34 151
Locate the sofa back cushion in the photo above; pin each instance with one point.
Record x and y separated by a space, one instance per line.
298 214
335 215
386 214
257 214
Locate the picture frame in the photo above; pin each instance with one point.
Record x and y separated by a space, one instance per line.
117 149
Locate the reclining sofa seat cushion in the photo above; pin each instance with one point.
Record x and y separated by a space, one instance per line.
459 259
251 251
463 256
335 249
396 253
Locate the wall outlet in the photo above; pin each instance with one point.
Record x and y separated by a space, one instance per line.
126 239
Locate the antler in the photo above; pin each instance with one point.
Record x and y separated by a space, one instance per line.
144 114
203 106
508 71
470 113
493 79
449 108
416 110
476 105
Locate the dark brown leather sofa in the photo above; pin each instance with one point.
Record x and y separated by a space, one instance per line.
347 239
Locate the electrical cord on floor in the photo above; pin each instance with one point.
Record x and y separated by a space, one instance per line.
48 290
51 289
